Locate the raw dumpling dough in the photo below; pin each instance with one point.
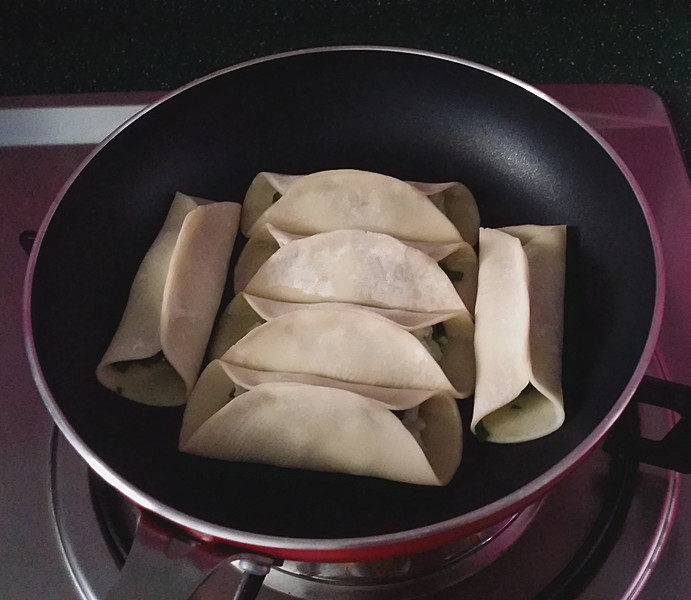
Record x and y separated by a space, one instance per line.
157 350
268 239
434 251
321 428
461 267
357 267
427 216
350 199
450 342
518 333
236 321
354 350
457 202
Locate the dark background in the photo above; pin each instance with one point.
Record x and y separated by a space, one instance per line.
110 45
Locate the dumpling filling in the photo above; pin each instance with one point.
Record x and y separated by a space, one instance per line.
434 339
412 422
517 419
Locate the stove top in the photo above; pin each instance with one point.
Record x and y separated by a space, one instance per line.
607 531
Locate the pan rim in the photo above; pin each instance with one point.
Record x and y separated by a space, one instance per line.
520 496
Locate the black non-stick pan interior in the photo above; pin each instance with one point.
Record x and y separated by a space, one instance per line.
411 116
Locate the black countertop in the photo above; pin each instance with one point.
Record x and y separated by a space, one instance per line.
117 46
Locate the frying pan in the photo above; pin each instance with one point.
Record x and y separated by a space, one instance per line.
414 115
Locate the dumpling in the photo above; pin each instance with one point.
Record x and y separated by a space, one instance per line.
158 347
280 207
518 333
359 351
322 428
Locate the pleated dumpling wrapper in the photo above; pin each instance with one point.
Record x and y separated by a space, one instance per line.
352 199
321 428
158 348
518 333
353 350
370 270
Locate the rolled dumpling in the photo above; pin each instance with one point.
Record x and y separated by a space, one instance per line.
322 428
518 333
359 351
157 350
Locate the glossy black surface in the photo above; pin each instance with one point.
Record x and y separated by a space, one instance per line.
414 117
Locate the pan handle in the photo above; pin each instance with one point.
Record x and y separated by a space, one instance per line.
165 565
674 450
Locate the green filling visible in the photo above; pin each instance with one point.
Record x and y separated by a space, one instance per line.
148 362
481 432
452 275
276 197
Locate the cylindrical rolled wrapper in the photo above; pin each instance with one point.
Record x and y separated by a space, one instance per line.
159 345
518 333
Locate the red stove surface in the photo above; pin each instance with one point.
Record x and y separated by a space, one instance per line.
42 139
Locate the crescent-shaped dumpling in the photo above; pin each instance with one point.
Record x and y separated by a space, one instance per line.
321 428
357 267
343 345
268 239
435 251
449 342
352 199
